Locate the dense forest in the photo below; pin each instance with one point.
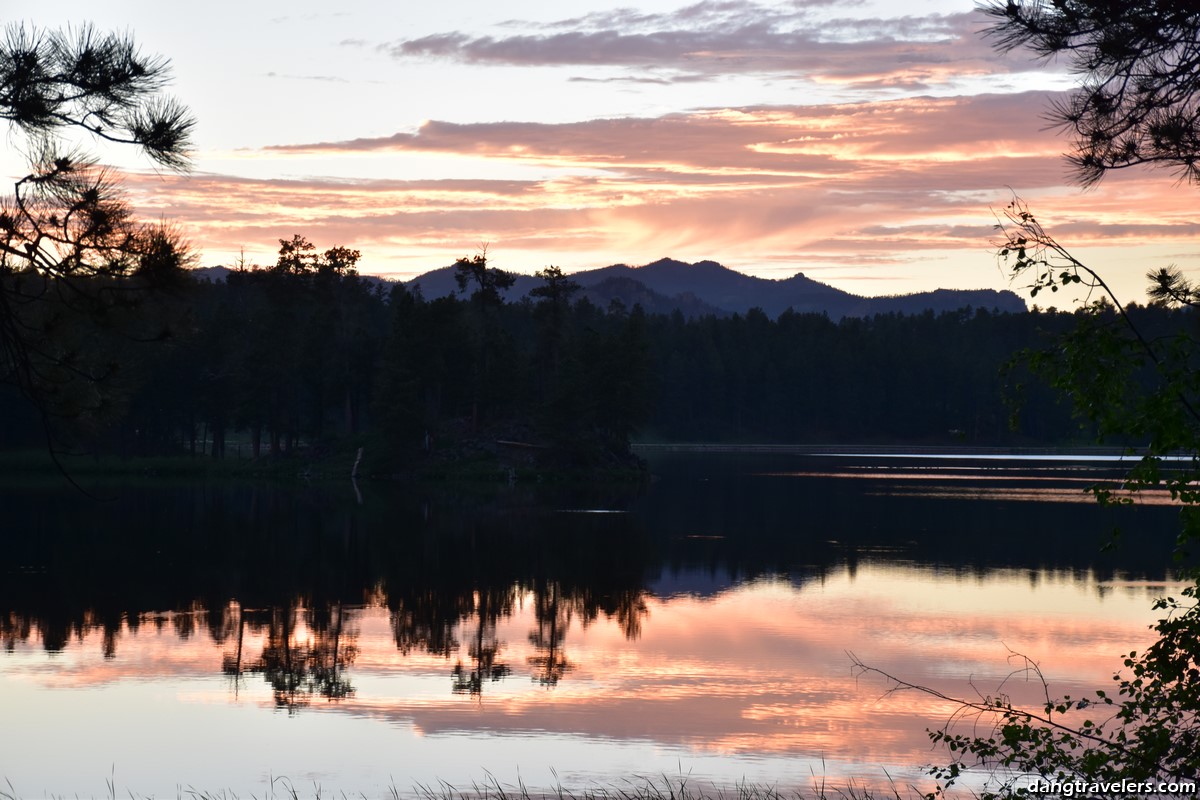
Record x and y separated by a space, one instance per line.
308 357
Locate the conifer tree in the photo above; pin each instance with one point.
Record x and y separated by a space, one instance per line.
72 256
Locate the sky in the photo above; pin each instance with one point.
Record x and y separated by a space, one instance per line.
869 145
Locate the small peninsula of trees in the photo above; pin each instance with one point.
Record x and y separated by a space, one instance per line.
307 356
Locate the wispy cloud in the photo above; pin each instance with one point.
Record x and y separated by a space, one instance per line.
724 37
849 184
964 142
643 79
321 78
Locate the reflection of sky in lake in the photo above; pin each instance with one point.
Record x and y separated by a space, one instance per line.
752 682
975 484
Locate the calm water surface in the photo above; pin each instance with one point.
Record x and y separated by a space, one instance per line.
220 637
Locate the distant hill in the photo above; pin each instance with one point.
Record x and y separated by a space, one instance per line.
599 286
707 287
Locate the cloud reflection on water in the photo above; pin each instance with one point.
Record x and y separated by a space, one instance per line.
975 485
756 671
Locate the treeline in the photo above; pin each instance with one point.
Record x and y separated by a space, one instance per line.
805 378
308 356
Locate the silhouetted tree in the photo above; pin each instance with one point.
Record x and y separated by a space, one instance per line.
296 257
492 369
554 304
555 382
488 282
1140 68
71 254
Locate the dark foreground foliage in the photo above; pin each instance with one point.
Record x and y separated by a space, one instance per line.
1124 375
75 265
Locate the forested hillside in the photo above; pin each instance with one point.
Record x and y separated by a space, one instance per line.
708 288
307 357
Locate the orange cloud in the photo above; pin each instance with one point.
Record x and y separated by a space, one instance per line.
831 185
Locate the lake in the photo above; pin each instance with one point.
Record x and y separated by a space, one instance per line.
244 638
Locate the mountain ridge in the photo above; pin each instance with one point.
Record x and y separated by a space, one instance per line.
706 287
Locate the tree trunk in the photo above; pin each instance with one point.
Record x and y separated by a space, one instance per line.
218 446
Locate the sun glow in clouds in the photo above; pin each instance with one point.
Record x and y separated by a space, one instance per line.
770 137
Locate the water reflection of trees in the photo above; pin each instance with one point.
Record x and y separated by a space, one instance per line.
305 654
549 663
15 628
449 565
424 621
484 648
305 651
439 624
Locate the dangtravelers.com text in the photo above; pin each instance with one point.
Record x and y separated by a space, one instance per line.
1123 787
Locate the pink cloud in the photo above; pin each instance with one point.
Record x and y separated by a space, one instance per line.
855 183
710 39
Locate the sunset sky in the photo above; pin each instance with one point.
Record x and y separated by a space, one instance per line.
866 144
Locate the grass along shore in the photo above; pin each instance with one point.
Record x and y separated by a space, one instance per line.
635 788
